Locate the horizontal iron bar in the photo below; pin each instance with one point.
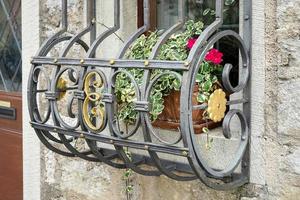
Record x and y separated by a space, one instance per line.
64 90
237 101
179 166
179 151
111 63
232 102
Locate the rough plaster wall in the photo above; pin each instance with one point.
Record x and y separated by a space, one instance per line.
64 178
282 132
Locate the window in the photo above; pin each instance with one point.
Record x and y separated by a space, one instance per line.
10 46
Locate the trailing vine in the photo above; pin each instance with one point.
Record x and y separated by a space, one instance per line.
127 177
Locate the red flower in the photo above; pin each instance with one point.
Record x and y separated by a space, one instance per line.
191 43
214 56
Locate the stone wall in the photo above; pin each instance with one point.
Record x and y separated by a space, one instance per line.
74 179
282 108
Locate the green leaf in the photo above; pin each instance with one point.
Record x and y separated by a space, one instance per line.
212 12
205 130
176 84
214 79
229 2
202 98
206 11
207 85
199 78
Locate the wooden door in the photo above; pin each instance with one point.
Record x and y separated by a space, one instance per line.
10 101
10 146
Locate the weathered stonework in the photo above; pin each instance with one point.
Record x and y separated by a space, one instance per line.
74 179
282 111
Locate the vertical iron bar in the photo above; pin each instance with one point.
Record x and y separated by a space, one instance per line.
91 18
219 9
181 10
147 14
117 14
64 15
247 37
111 30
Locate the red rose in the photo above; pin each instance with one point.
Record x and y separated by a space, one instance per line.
191 43
214 56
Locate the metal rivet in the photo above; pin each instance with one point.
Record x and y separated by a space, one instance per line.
55 60
245 65
247 17
186 64
81 135
82 61
112 62
55 130
93 21
185 153
111 141
146 63
146 147
243 137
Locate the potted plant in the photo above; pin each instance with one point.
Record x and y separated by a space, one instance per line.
165 95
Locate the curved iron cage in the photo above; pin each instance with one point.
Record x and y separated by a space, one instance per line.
59 135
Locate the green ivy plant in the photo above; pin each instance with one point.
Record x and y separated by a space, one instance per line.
175 49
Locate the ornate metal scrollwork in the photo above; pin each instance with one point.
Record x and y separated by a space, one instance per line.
88 95
93 111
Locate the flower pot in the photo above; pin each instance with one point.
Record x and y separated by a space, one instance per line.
170 117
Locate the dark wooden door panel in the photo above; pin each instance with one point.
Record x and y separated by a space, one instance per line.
10 166
11 177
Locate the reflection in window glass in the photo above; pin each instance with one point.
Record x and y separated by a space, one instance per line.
204 10
10 46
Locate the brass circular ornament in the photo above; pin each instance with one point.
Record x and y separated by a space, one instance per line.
217 105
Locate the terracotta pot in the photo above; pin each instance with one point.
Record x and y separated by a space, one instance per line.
170 117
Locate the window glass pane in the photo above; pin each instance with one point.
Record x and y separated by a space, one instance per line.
204 10
10 45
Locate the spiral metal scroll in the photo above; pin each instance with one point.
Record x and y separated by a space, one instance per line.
197 160
92 105
94 80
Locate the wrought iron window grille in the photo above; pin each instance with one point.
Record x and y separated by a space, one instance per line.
91 71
